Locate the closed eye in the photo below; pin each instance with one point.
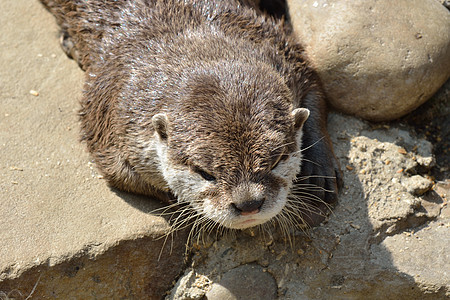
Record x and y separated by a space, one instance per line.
279 159
205 174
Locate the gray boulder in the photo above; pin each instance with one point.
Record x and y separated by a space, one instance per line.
377 59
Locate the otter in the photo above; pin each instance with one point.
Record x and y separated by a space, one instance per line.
208 101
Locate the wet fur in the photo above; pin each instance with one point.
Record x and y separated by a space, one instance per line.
225 77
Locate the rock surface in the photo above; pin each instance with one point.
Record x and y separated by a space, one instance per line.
247 282
377 59
373 244
62 229
65 235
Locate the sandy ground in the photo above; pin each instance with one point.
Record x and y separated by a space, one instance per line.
52 199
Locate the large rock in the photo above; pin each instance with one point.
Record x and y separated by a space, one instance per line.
377 59
63 233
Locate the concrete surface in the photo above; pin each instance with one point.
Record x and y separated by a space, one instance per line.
59 221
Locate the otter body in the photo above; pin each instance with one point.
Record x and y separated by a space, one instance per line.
205 100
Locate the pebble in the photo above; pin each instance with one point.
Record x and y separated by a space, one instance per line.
248 282
34 93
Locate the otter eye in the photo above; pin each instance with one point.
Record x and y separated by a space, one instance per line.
279 159
205 175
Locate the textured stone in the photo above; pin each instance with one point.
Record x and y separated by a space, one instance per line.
190 286
420 254
377 59
417 185
371 246
248 282
130 270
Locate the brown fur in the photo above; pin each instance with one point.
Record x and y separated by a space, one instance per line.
226 76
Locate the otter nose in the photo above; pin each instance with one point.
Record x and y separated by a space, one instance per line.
248 207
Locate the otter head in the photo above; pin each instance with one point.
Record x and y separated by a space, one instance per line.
231 148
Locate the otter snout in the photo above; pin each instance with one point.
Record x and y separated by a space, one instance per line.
248 198
248 207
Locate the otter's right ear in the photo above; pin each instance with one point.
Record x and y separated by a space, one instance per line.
160 123
300 116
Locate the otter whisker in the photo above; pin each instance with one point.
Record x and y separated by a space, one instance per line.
307 208
305 201
283 145
186 222
313 188
304 207
183 218
311 161
295 218
284 228
181 215
292 210
165 208
195 230
205 228
209 226
313 176
307 196
294 215
268 229
312 145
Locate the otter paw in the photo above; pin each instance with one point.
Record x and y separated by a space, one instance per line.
316 187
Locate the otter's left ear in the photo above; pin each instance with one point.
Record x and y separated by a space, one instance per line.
160 123
300 116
